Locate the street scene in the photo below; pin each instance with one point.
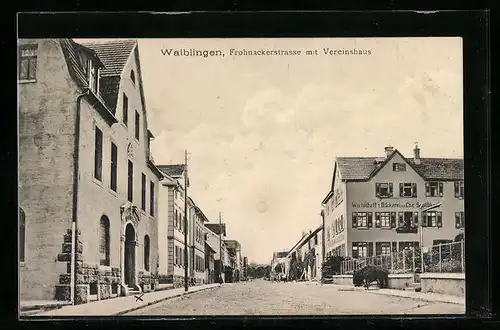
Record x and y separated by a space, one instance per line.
163 177
271 298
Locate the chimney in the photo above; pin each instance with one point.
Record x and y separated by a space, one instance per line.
388 151
416 154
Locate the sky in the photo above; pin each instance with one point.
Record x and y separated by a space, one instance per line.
263 132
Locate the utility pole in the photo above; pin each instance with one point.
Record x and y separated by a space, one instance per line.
186 284
220 245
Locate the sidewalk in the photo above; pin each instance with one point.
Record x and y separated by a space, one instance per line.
428 296
122 305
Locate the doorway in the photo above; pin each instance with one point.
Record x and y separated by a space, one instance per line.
130 255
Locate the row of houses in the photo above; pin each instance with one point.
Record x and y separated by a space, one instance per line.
97 217
381 205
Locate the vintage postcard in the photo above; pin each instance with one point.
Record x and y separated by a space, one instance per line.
252 176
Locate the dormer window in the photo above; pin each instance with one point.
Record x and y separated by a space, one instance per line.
93 72
132 76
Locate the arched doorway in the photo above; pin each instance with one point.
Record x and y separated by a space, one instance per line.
130 255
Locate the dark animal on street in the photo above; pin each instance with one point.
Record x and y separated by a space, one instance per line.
369 274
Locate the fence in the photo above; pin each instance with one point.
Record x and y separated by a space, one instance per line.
442 258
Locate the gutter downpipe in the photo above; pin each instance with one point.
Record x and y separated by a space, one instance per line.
74 224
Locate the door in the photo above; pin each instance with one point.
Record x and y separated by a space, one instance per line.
130 255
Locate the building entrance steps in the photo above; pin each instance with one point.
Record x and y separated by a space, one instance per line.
121 305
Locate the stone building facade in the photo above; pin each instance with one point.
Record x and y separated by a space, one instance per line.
85 162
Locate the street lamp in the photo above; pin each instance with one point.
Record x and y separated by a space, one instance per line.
422 231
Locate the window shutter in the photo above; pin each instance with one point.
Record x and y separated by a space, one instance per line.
370 249
415 218
457 220
390 189
400 219
377 219
424 219
456 189
378 248
354 220
393 219
400 189
427 189
394 246
377 189
370 219
440 189
439 219
414 189
463 219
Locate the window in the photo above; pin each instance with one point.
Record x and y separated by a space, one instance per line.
130 187
137 125
408 245
132 76
176 256
22 235
383 220
125 109
143 192
362 219
104 241
152 198
114 166
328 233
459 220
146 253
98 154
407 190
432 219
459 189
362 249
399 167
383 248
27 62
434 189
383 190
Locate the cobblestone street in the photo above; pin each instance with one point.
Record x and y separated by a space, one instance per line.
260 297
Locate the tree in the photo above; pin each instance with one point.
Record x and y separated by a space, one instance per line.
331 266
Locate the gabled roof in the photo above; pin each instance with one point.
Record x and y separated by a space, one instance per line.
364 168
172 170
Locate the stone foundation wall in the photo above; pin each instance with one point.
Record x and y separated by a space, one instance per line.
90 279
147 281
444 283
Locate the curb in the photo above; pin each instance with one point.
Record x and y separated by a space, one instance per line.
160 300
418 298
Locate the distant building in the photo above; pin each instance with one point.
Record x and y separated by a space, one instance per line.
197 243
234 250
279 258
375 204
216 243
171 206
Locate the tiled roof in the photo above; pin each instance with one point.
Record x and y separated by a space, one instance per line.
362 168
114 55
440 168
171 170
